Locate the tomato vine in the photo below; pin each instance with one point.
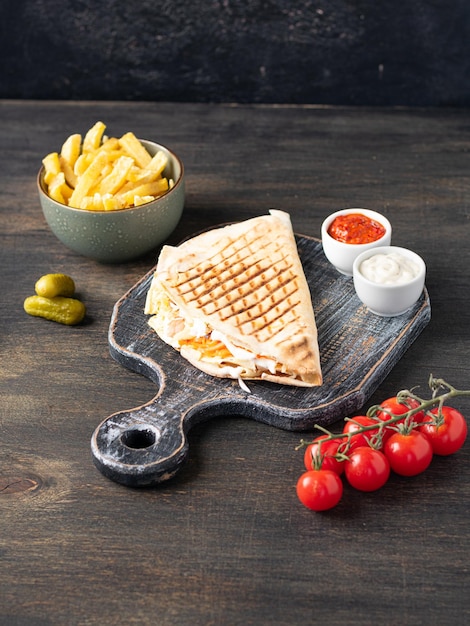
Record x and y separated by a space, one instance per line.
406 430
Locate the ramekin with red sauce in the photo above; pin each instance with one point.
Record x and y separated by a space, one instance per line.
349 232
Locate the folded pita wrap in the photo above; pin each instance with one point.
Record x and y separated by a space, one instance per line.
234 301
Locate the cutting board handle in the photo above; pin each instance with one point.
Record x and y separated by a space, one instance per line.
142 446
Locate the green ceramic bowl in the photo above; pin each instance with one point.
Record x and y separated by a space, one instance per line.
117 236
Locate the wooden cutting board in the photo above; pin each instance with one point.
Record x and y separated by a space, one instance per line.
148 444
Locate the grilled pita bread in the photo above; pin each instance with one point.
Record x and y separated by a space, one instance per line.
234 301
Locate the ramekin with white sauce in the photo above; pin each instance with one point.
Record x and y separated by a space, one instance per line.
389 279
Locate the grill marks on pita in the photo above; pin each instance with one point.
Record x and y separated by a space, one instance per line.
245 284
224 283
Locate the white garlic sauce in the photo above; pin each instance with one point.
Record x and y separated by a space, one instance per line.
389 269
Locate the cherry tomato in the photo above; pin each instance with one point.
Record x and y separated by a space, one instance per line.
399 408
327 452
319 490
450 435
409 454
362 439
368 469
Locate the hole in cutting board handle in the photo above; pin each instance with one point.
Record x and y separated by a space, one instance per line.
139 438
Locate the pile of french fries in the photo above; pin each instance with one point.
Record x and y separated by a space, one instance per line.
104 174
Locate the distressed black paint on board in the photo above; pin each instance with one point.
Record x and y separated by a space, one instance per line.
148 444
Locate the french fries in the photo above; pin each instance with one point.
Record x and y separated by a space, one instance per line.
102 173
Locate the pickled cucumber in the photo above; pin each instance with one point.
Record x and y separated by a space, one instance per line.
52 285
63 310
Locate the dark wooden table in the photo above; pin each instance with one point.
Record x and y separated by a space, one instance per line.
226 542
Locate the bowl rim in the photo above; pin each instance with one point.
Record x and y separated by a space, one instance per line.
358 275
178 183
367 212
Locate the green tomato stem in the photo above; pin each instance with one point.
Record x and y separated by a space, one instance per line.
435 384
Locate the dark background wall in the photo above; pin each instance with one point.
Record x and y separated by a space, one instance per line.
350 52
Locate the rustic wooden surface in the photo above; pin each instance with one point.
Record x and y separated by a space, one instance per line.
148 444
225 541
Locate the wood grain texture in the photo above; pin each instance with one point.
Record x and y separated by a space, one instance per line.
226 541
148 444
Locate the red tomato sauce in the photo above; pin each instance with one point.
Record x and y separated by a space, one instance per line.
355 228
